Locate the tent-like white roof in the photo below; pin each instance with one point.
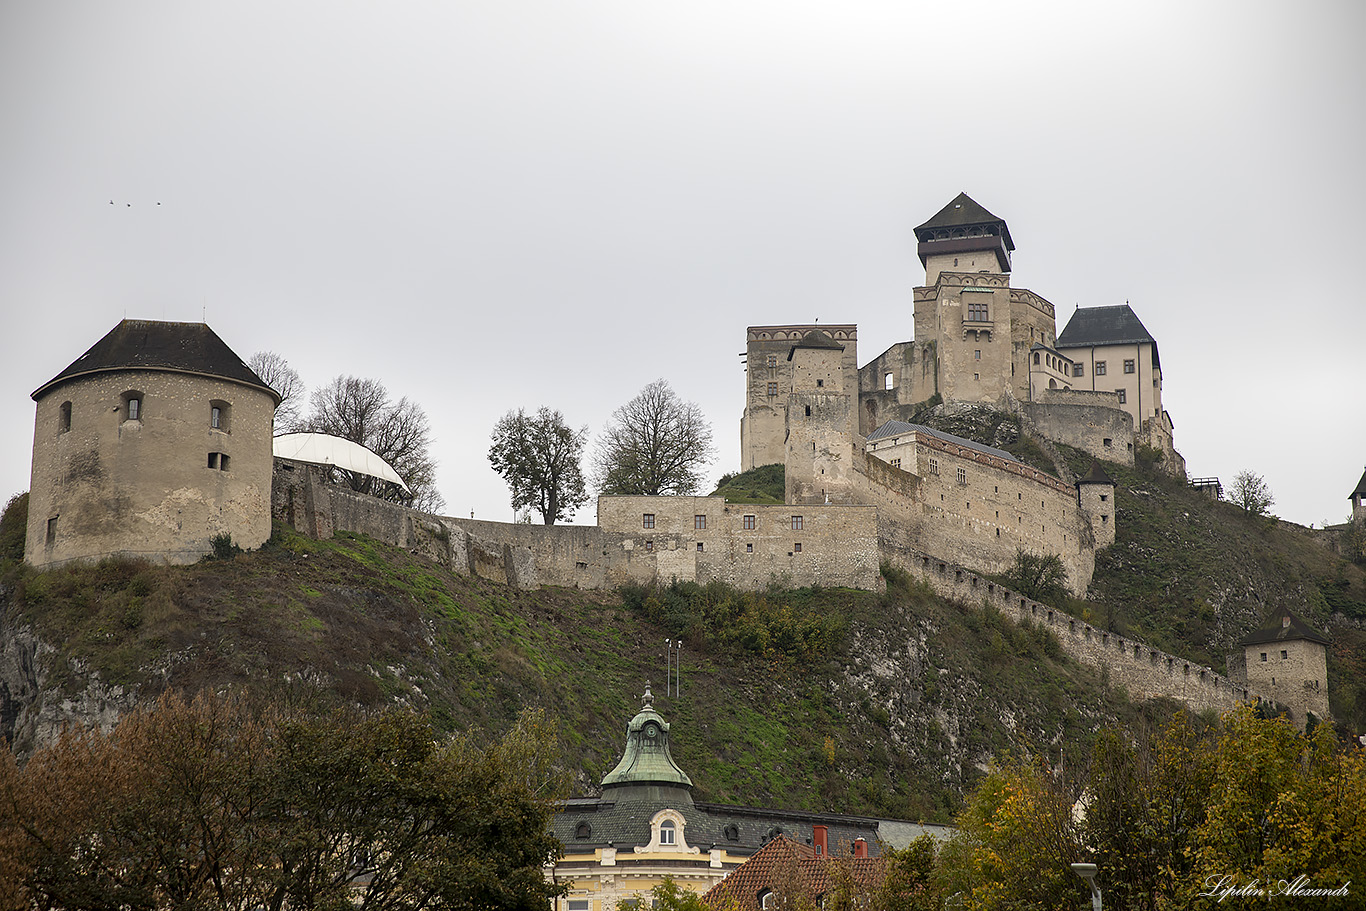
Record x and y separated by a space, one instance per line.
325 449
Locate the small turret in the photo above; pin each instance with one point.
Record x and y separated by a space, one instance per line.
1096 496
1287 661
1358 498
647 767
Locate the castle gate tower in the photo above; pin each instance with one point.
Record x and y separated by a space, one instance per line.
151 443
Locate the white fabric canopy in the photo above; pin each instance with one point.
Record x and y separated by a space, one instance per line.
325 449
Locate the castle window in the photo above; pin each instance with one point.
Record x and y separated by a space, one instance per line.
934 465
772 360
772 388
1264 656
747 522
896 463
219 412
1129 365
820 383
977 312
796 523
51 531
1284 654
1107 442
887 381
1099 369
648 521
649 546
797 548
1122 397
699 547
749 548
668 834
808 411
977 354
962 476
213 460
132 406
64 418
223 462
1036 357
699 523
1076 369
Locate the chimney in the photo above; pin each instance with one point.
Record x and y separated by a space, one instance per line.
860 848
821 834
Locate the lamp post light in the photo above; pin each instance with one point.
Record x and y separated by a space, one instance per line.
1088 873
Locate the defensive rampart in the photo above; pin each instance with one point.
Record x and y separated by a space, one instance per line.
846 544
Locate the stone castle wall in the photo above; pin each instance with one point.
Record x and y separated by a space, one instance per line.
842 545
1090 421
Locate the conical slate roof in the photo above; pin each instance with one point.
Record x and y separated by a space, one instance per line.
156 345
647 760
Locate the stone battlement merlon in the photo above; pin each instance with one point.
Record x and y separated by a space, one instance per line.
1025 296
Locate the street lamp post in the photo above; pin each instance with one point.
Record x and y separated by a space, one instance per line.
1088 873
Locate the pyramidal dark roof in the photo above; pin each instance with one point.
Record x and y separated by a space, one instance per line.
1283 626
961 210
1104 326
1360 488
1096 475
815 339
136 344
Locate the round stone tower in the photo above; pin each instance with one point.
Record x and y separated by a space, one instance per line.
150 444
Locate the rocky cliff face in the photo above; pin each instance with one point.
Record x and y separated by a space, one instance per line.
33 710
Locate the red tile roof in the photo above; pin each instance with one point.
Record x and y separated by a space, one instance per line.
782 866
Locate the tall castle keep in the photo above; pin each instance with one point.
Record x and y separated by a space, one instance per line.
1096 386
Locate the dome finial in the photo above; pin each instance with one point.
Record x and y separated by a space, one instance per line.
647 698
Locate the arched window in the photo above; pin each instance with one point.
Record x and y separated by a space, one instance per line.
768 899
668 833
732 833
582 831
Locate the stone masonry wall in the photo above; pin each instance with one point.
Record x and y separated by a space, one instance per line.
1090 421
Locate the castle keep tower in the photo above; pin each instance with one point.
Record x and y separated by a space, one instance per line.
821 422
150 444
769 382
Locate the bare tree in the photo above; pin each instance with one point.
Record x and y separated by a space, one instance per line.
275 371
360 410
654 444
1250 491
538 456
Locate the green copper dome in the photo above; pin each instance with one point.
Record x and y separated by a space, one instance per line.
647 760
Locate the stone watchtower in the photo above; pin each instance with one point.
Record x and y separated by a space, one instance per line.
1096 496
151 443
1287 661
1358 498
821 421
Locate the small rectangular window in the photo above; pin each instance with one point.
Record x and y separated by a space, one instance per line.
1076 370
699 547
796 523
216 417
223 461
772 388
64 418
887 381
748 522
649 546
1263 656
1129 365
962 476
648 521
699 523
1122 396
1099 369
977 354
1284 654
213 460
772 360
578 904
51 531
749 548
896 463
934 465
977 313
797 548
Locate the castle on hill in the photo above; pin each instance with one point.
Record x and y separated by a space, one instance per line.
159 440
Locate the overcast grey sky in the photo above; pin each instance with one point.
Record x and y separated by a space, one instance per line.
503 204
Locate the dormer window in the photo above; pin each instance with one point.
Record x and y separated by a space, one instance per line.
582 831
668 833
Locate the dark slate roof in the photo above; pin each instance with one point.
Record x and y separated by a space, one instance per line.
155 345
1283 626
963 210
1096 475
1104 326
896 428
1360 489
